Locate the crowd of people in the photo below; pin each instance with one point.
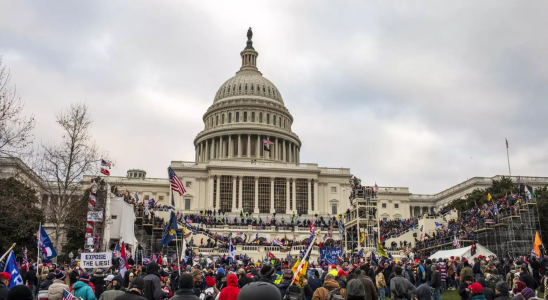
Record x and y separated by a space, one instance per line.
480 278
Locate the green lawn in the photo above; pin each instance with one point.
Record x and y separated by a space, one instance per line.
454 295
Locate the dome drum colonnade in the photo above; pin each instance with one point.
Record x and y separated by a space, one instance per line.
247 109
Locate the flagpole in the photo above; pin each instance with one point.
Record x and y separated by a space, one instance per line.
3 256
38 245
508 157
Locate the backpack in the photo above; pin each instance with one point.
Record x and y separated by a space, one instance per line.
210 296
493 280
335 295
293 293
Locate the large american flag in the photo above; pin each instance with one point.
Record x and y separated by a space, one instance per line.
176 184
67 295
267 142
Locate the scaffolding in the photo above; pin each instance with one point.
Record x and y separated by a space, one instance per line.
361 219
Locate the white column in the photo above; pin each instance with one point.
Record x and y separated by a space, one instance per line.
294 194
316 196
256 207
206 152
201 152
272 195
290 156
218 195
210 196
230 146
287 196
309 197
212 156
239 145
240 207
249 145
233 193
258 147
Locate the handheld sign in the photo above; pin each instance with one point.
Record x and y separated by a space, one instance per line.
96 260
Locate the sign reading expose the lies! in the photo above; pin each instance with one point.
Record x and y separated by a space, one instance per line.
96 260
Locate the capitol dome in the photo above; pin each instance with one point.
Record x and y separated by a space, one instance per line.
248 119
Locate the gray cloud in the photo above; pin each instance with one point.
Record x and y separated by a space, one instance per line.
415 94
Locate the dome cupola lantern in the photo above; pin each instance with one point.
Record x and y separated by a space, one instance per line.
249 55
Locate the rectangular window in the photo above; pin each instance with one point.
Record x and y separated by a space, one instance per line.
253 116
302 196
237 117
385 219
248 194
238 192
188 184
333 189
274 120
280 195
267 118
333 209
160 198
384 205
260 117
147 197
187 204
226 193
215 192
291 197
223 119
114 217
396 205
312 195
245 116
229 117
264 195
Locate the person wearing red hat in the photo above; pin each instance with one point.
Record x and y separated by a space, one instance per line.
211 290
341 278
4 283
476 291
231 291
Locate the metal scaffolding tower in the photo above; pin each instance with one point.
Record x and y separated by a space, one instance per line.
361 219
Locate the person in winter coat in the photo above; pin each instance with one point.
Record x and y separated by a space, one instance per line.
313 280
488 293
55 291
527 278
355 290
135 290
526 294
197 276
82 289
423 292
286 281
32 279
464 291
4 283
19 292
369 286
73 276
185 291
400 287
466 271
435 283
98 280
328 285
231 291
381 284
476 292
47 281
153 286
243 279
341 278
115 291
501 291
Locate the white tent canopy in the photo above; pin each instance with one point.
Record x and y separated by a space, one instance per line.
462 252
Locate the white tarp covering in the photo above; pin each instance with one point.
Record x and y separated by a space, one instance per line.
462 252
123 226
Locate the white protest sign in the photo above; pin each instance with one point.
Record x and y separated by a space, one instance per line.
96 216
96 260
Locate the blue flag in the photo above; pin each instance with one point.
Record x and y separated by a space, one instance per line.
373 258
422 226
360 253
171 230
390 256
45 245
12 269
438 224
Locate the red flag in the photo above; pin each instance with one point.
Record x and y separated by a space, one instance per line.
105 172
123 260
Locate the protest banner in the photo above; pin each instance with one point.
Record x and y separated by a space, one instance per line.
96 260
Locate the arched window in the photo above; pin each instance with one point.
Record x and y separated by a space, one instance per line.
252 116
230 117
246 86
263 89
252 87
267 118
260 117
223 119
234 88
217 120
237 117
245 116
274 120
268 90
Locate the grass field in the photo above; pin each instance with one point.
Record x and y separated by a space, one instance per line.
454 295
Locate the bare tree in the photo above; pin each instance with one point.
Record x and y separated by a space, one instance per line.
15 129
64 165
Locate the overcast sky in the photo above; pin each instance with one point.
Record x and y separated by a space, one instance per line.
419 94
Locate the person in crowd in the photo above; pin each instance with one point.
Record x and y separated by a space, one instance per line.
286 281
45 272
243 279
4 284
115 290
166 289
400 287
265 290
423 292
211 289
330 284
44 286
55 291
527 278
518 288
341 278
464 291
73 276
381 283
82 289
231 291
526 294
501 291
185 292
32 279
435 282
475 291
135 290
220 279
197 277
267 274
313 280
355 290
108 282
488 293
368 285
153 286
19 292
98 281
127 280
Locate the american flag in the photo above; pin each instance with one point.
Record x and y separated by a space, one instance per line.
376 187
105 172
105 163
67 295
239 233
267 142
176 184
25 259
277 242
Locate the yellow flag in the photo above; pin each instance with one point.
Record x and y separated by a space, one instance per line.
294 269
362 238
380 250
184 229
299 279
537 244
488 196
